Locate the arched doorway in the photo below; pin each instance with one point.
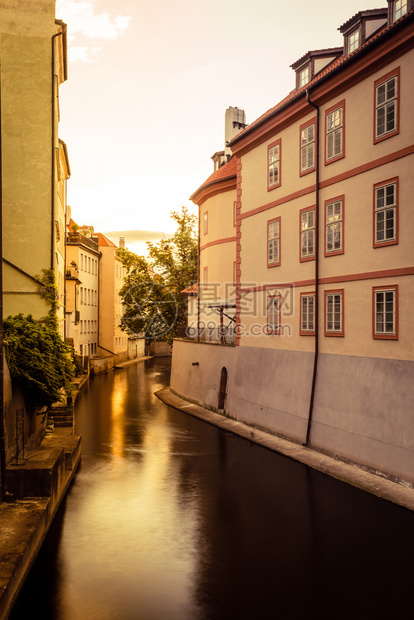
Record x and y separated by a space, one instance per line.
222 390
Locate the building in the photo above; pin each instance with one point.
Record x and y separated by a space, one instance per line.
324 261
35 165
82 290
112 339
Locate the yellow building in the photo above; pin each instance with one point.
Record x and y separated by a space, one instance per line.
34 162
324 351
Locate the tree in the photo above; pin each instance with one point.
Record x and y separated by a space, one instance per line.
38 360
152 292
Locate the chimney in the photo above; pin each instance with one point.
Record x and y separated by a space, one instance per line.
122 242
234 122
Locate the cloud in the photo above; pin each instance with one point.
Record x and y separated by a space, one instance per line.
132 236
85 23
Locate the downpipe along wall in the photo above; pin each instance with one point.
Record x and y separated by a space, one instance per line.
358 414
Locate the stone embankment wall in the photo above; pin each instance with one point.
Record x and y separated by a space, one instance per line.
361 405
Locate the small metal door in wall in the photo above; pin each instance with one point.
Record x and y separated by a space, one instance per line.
222 389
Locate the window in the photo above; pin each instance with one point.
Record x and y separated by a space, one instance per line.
81 328
235 213
386 106
205 222
385 312
334 320
400 8
273 242
334 232
386 213
81 295
307 234
274 152
205 277
81 261
353 41
304 76
307 147
307 314
273 314
335 142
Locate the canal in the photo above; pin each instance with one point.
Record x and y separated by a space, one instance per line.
170 518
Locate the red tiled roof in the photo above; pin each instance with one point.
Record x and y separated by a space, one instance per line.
325 71
104 241
227 171
191 290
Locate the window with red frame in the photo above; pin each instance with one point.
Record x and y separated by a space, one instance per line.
334 313
385 312
273 242
273 163
334 133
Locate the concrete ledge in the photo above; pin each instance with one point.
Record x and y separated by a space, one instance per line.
24 522
133 361
351 474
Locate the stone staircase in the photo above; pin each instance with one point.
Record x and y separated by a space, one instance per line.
62 416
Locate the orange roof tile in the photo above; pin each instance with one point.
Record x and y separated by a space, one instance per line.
321 74
227 171
104 241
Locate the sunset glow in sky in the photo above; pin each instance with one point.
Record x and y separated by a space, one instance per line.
149 81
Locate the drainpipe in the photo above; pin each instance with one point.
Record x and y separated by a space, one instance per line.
316 349
198 276
52 239
3 470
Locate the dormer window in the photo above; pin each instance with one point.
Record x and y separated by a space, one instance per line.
361 27
304 76
311 63
400 8
353 41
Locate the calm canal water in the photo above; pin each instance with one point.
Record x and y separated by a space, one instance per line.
170 518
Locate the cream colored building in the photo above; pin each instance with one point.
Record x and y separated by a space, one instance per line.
82 290
324 351
34 162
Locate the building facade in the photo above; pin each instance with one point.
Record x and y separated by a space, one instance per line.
34 162
82 291
111 278
324 269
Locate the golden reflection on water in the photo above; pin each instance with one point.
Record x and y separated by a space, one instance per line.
118 413
130 521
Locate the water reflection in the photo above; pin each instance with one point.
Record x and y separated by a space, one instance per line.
171 518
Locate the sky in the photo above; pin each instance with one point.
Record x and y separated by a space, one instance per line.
149 82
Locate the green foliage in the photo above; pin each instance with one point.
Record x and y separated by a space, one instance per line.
48 290
38 359
154 305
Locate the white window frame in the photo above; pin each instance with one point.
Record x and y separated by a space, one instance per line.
273 159
334 313
400 8
307 148
386 103
353 41
273 314
307 233
304 76
273 242
385 312
307 314
334 134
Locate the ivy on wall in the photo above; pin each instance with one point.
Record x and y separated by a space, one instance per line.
38 359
